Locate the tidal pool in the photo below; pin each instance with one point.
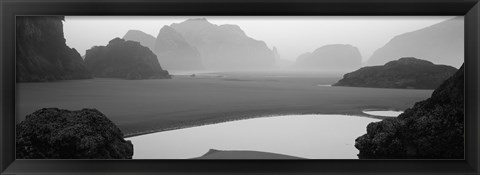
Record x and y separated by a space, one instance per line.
306 136
383 113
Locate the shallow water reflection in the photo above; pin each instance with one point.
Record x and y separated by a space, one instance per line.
306 136
384 113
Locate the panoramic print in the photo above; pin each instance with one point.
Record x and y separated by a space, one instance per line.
239 87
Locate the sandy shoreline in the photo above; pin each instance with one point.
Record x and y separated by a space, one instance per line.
242 117
243 154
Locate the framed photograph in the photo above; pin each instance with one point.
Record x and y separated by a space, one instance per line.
187 87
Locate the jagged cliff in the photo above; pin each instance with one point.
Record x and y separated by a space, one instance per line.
174 52
225 47
433 128
41 52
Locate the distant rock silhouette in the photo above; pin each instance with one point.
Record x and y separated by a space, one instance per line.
335 57
124 59
225 47
275 53
403 73
52 133
141 37
442 43
175 53
41 52
433 128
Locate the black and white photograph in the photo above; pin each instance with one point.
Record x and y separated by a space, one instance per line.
239 87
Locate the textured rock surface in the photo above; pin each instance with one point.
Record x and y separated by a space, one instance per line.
441 43
124 59
433 128
41 52
52 133
174 52
403 73
335 57
225 47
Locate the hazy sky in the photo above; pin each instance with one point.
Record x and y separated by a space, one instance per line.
292 36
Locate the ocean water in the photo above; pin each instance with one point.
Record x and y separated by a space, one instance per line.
307 136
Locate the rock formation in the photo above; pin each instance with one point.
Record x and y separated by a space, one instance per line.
124 59
279 62
52 133
41 52
403 73
225 47
442 43
175 53
335 57
141 37
432 129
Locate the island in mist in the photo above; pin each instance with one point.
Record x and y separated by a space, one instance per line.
442 43
197 44
197 73
330 58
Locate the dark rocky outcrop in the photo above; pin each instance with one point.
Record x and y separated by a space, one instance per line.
174 52
433 128
41 52
335 57
141 37
225 47
52 133
403 73
442 43
124 59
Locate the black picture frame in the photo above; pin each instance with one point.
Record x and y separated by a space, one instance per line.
10 8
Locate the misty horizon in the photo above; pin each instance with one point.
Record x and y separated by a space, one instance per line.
203 88
289 42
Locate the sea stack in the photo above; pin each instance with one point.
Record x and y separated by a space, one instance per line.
141 37
124 59
335 57
174 52
405 73
225 47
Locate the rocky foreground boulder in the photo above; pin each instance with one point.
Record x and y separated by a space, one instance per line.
52 133
124 59
42 54
432 129
408 73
